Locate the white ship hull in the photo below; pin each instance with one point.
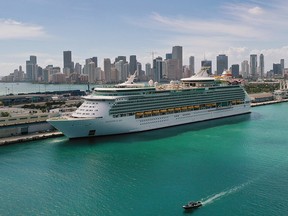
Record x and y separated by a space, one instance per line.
90 127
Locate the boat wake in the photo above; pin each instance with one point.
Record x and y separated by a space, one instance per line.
218 196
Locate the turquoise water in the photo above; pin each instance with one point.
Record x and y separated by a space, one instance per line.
235 166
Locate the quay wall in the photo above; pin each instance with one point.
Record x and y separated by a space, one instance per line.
22 129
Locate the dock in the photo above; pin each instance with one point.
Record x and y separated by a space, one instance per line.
268 102
29 137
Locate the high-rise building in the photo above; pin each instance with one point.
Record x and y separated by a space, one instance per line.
177 53
95 60
87 62
235 70
168 56
157 69
33 60
123 58
192 65
18 75
245 69
148 70
171 69
125 70
67 61
253 66
277 70
119 65
282 66
139 69
261 66
222 63
132 64
78 68
207 63
91 69
107 70
31 69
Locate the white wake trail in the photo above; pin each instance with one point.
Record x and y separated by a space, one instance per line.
224 193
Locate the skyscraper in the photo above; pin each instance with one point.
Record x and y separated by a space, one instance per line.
222 63
31 69
235 70
91 71
168 56
78 68
107 70
261 66
157 69
132 64
282 66
67 61
177 53
148 70
245 69
123 58
119 65
95 60
192 65
253 66
33 60
277 70
207 63
171 68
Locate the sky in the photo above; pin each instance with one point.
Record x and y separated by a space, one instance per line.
110 28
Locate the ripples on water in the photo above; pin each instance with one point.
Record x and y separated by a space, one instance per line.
236 166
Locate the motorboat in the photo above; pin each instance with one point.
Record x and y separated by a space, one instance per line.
192 205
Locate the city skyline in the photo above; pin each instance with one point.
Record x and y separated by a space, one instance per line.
99 28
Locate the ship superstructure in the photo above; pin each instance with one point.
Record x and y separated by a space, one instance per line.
131 107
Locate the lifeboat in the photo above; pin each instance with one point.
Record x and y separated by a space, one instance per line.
184 108
170 110
177 109
155 111
139 114
163 111
148 113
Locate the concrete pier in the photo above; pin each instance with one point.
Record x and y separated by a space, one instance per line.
29 137
268 102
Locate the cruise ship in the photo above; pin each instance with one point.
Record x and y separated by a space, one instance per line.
131 107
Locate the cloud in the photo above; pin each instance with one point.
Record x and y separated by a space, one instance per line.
206 27
256 11
11 29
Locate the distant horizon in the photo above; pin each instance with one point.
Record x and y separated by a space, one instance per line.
99 28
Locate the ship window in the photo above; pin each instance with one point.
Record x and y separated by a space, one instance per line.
92 132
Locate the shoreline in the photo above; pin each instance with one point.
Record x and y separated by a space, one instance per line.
40 136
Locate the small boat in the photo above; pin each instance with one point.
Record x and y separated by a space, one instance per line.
192 205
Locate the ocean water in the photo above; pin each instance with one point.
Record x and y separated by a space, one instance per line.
235 166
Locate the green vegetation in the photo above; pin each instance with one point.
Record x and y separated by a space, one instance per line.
47 106
253 88
4 114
